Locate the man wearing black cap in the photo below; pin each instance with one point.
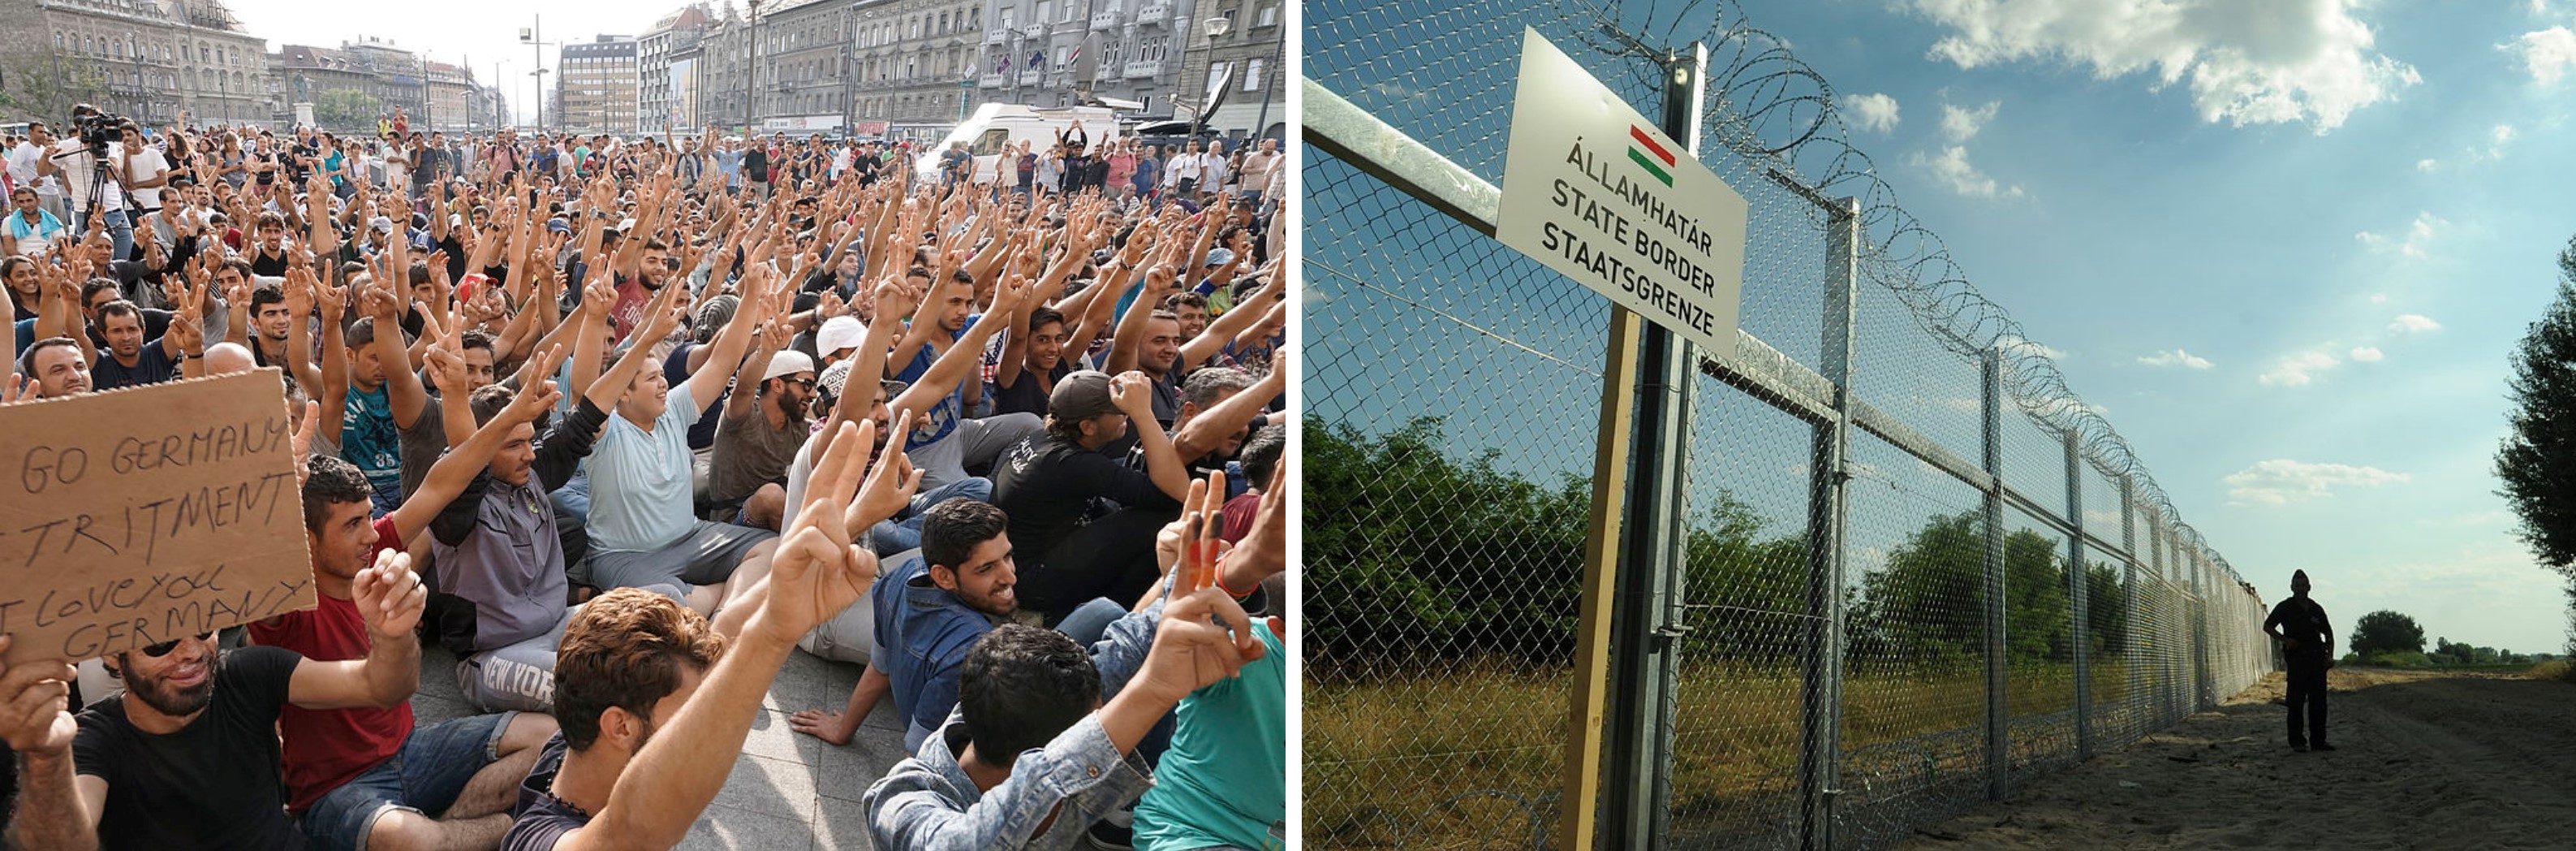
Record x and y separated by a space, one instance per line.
2307 643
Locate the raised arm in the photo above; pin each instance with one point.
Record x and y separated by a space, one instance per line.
1202 433
944 374
389 599
759 302
1133 393
1244 315
402 386
815 574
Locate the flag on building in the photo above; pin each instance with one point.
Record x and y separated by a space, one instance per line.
1002 65
1037 60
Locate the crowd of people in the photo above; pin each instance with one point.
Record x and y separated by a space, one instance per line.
620 422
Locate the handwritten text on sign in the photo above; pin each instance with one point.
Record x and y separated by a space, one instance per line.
137 516
1594 190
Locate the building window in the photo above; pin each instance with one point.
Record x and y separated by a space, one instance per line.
1269 16
1252 76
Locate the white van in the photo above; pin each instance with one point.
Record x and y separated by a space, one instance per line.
999 126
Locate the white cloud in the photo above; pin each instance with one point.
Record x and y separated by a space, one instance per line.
2427 164
2367 354
2419 234
2299 369
1953 170
1875 111
2246 62
1960 125
2176 357
2281 481
2548 54
2414 324
2497 138
2378 298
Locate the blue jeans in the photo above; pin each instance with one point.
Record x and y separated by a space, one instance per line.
424 777
904 531
120 230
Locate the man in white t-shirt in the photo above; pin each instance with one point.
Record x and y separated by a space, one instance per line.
75 165
143 170
22 169
1185 172
1212 166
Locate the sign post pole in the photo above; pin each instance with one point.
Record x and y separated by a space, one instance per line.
1621 204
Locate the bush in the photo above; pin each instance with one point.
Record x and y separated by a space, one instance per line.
2402 659
2556 669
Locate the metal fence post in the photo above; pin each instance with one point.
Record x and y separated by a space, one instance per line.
1819 774
1649 618
1998 714
2129 593
2077 581
2201 684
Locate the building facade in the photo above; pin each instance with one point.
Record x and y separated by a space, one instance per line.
666 64
916 64
1249 55
447 109
397 74
804 49
156 62
1066 52
595 81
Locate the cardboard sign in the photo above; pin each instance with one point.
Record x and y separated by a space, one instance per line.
1594 190
140 515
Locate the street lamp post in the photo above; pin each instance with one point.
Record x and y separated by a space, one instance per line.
1215 27
534 37
751 74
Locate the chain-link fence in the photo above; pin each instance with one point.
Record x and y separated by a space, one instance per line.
2014 590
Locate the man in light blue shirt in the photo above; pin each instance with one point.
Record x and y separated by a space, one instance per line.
642 531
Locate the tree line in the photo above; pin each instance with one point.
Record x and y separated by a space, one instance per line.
1415 554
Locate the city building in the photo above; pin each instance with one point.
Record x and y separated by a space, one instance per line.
156 61
397 73
666 68
595 85
804 49
916 64
1125 53
449 87
1248 46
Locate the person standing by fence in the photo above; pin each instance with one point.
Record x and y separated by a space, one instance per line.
2307 644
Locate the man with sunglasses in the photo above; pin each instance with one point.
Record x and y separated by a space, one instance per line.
761 430
186 757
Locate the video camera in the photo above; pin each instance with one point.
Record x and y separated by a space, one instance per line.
98 130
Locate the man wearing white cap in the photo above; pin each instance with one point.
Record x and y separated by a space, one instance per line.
838 336
761 431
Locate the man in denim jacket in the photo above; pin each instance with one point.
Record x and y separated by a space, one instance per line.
1032 756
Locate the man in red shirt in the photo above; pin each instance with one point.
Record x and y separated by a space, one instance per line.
365 778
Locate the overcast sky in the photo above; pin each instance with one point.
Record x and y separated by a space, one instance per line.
485 31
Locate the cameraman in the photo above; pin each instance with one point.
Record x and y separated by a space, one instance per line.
75 159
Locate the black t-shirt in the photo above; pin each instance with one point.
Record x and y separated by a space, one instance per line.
1026 393
1047 487
266 266
213 784
538 821
2302 620
152 365
755 165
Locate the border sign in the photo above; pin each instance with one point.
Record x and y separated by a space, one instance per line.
136 516
1596 191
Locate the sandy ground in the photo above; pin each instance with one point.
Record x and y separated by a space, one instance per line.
2423 761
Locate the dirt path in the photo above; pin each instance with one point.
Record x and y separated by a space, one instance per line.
2424 761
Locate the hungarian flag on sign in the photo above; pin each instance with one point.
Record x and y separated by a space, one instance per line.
1657 152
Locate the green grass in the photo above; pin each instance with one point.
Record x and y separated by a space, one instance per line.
1402 761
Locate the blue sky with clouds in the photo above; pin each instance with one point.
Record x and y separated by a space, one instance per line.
2285 246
